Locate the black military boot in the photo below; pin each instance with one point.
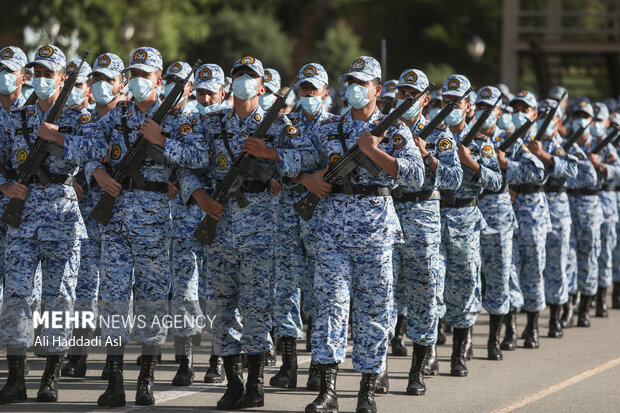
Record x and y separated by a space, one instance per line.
431 367
144 385
510 338
531 330
568 311
215 372
366 396
383 380
76 366
470 344
398 342
583 319
114 395
48 391
459 352
615 296
232 398
327 400
183 350
270 357
416 386
287 376
601 302
441 333
14 390
495 331
254 393
555 326
314 377
105 373
197 340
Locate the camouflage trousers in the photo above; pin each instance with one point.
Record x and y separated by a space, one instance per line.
532 257
609 240
143 263
59 263
187 262
416 266
361 276
616 258
587 227
240 280
557 282
87 290
496 255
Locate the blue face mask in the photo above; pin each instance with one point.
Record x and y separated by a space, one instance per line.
433 112
140 88
412 112
245 87
490 120
265 101
598 129
357 96
168 89
550 128
583 122
102 92
76 97
505 121
203 110
8 82
311 104
44 87
519 119
455 117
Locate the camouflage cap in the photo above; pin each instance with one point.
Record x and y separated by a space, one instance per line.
414 78
556 92
109 65
271 80
13 58
178 69
585 107
363 68
251 63
314 74
210 77
146 59
49 56
601 111
389 89
73 65
488 95
455 85
526 97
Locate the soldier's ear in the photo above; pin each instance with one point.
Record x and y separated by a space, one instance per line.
261 89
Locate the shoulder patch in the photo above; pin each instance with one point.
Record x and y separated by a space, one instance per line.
115 154
487 150
444 145
610 158
334 157
291 131
186 129
22 154
230 115
524 147
560 151
257 117
123 104
85 119
329 120
222 162
398 141
580 156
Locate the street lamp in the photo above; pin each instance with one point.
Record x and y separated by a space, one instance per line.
475 47
127 31
52 27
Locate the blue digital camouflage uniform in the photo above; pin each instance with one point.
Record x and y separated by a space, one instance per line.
460 235
416 261
354 257
240 257
50 231
566 166
135 243
587 217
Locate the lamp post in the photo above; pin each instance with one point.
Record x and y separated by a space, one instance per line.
475 47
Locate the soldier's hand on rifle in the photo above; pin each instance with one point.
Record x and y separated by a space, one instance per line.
536 148
49 132
501 159
369 142
172 190
79 191
466 159
151 130
421 144
258 147
15 190
599 166
315 182
275 186
209 205
108 183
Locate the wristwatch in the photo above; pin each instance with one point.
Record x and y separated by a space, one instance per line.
428 159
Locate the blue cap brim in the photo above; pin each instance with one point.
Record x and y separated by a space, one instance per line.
12 66
313 81
143 67
51 66
364 77
110 74
236 69
207 85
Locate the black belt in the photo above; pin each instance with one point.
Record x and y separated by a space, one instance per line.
369 190
555 189
527 188
502 190
417 196
162 187
54 179
609 187
582 191
252 187
459 202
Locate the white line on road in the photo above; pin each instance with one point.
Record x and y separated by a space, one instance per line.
557 387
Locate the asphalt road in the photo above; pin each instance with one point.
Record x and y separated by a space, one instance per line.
580 372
